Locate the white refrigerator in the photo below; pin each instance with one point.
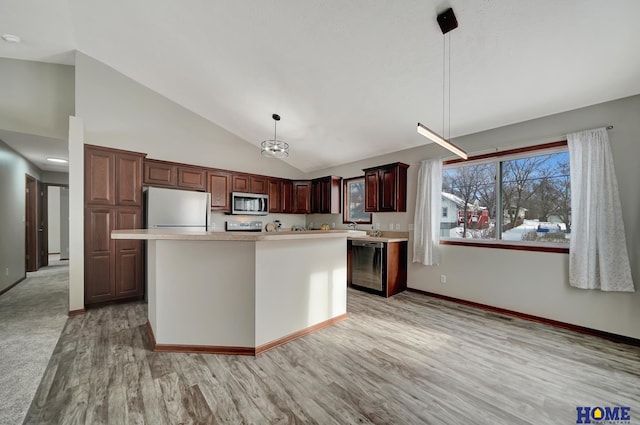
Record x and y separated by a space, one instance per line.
177 209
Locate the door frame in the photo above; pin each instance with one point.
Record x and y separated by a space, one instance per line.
30 223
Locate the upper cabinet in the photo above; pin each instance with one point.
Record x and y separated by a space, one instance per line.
326 195
102 187
249 184
172 175
386 188
219 186
301 192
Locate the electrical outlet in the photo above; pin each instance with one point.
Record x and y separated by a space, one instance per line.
6 271
391 226
397 226
443 278
410 226
213 226
333 225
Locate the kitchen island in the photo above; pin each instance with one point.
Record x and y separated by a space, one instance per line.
241 292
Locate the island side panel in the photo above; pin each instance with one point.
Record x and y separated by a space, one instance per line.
300 283
204 293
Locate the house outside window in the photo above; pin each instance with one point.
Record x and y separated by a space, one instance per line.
519 196
445 212
353 208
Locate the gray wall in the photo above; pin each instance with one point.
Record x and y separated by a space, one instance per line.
53 219
529 282
37 98
13 168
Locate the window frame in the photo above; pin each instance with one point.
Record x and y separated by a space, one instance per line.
499 157
345 201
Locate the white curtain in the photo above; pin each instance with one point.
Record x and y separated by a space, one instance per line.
426 233
598 251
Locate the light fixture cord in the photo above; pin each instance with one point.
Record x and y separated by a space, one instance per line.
449 82
443 78
275 131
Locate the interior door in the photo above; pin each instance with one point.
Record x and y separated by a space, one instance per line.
31 224
43 229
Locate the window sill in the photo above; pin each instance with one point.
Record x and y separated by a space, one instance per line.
539 247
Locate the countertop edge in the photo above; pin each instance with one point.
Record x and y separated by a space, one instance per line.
156 234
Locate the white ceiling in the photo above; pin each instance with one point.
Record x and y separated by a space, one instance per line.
350 78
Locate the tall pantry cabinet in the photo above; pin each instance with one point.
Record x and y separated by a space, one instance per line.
114 269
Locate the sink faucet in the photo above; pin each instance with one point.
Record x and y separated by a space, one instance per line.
353 225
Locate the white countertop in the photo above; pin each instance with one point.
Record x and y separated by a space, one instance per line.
162 234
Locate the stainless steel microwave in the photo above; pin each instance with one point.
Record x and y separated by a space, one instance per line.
249 203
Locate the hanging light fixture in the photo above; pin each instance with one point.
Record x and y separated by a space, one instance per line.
275 148
447 21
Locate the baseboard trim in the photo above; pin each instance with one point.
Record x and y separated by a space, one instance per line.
550 322
13 284
76 312
295 335
237 351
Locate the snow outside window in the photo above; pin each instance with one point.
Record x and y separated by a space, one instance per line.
514 197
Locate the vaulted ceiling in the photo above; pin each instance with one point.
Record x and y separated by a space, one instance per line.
350 78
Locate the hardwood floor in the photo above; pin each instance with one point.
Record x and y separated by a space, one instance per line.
409 359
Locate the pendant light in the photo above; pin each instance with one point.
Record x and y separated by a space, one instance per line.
275 148
447 21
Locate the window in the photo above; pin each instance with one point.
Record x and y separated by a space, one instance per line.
353 210
515 196
445 212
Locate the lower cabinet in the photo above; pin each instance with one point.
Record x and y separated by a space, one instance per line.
113 268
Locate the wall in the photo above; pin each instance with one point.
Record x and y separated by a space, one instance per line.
37 98
119 112
53 222
55 177
529 282
13 168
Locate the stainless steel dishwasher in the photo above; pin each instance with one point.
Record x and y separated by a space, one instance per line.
367 268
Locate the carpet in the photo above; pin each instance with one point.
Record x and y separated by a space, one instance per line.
32 316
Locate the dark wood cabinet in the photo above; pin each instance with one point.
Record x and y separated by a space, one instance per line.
99 176
326 195
158 173
249 184
174 175
301 197
275 195
128 179
113 200
192 178
386 188
219 186
287 197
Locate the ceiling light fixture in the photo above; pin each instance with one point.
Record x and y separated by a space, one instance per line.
10 38
58 160
447 21
275 148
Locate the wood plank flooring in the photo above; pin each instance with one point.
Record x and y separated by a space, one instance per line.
409 359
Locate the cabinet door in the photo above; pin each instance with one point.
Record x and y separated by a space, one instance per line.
100 176
129 179
192 178
160 174
387 198
99 281
302 197
287 197
275 195
371 191
241 183
259 185
219 185
129 263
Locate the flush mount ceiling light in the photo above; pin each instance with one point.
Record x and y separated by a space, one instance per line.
447 21
10 38
275 148
58 160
